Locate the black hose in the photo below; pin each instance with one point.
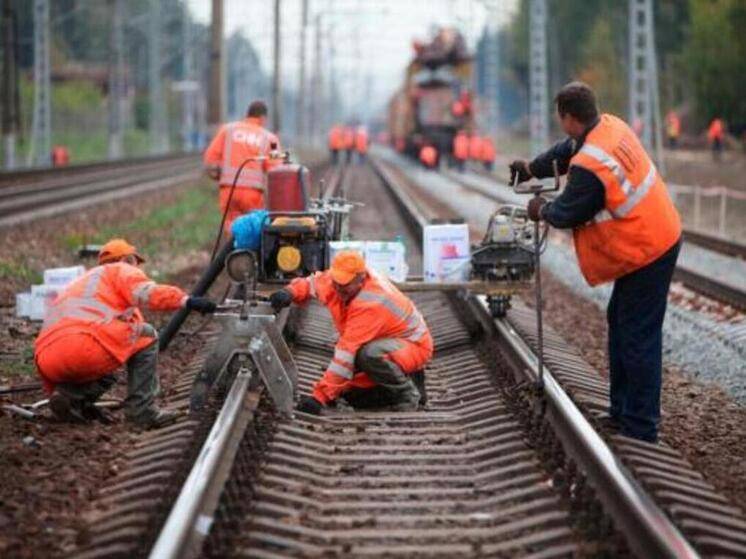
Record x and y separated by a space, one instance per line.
205 282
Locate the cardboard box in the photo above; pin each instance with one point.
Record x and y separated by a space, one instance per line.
41 296
62 276
387 258
446 253
23 304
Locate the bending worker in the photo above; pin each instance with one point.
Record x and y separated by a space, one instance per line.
626 230
95 326
383 339
232 145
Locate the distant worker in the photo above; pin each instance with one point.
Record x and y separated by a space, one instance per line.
336 142
716 137
626 230
460 150
429 156
234 144
95 326
60 156
383 340
361 143
349 142
488 153
475 147
673 129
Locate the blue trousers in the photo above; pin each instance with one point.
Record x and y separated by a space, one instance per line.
635 317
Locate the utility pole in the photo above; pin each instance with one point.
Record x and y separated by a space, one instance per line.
157 124
276 93
116 79
300 110
41 126
538 99
215 101
644 100
9 86
491 71
317 81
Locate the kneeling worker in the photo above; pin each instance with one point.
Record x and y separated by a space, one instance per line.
383 339
95 326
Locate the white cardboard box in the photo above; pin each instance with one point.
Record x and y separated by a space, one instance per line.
23 304
41 296
387 258
62 276
446 253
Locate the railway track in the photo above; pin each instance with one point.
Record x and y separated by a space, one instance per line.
712 287
489 469
29 195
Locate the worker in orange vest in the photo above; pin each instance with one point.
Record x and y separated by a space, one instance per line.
361 143
95 326
429 156
673 128
626 230
60 156
475 147
336 142
384 342
234 144
461 149
487 154
348 135
716 135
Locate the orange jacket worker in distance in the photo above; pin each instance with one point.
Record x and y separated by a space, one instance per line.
94 326
383 339
232 145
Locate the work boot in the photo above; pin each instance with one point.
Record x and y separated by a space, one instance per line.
93 413
155 418
418 377
66 409
405 405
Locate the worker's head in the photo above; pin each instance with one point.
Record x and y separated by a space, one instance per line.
576 108
119 250
257 109
348 273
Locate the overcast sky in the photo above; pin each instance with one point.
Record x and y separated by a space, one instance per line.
372 38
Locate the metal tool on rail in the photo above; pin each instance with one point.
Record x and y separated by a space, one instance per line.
540 241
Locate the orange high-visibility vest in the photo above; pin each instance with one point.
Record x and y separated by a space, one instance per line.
348 138
336 138
236 142
639 223
716 130
674 125
475 147
461 146
378 311
103 303
361 141
429 156
487 154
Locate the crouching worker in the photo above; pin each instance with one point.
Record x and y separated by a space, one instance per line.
95 326
383 344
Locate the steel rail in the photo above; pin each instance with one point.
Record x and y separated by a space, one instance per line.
719 244
648 530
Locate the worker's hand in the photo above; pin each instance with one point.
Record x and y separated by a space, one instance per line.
280 299
201 305
519 168
534 207
309 404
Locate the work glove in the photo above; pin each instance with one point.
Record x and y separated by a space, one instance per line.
280 299
309 404
534 207
520 168
201 305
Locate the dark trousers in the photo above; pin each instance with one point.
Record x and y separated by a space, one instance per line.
635 317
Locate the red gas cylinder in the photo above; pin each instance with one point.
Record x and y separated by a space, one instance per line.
287 188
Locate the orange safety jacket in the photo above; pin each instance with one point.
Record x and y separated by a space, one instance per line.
716 130
429 156
233 144
487 154
104 303
336 138
461 146
475 148
361 141
378 311
673 125
639 222
348 138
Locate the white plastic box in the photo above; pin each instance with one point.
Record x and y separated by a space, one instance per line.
62 276
387 258
446 253
41 296
23 304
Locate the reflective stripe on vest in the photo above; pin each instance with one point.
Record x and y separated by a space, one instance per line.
249 178
416 327
143 291
338 369
344 356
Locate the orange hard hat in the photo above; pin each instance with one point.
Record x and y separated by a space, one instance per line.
346 265
116 249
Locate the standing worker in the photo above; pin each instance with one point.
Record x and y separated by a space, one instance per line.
626 230
361 143
461 149
716 135
230 148
487 154
673 128
336 142
383 340
95 326
429 156
475 147
348 141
